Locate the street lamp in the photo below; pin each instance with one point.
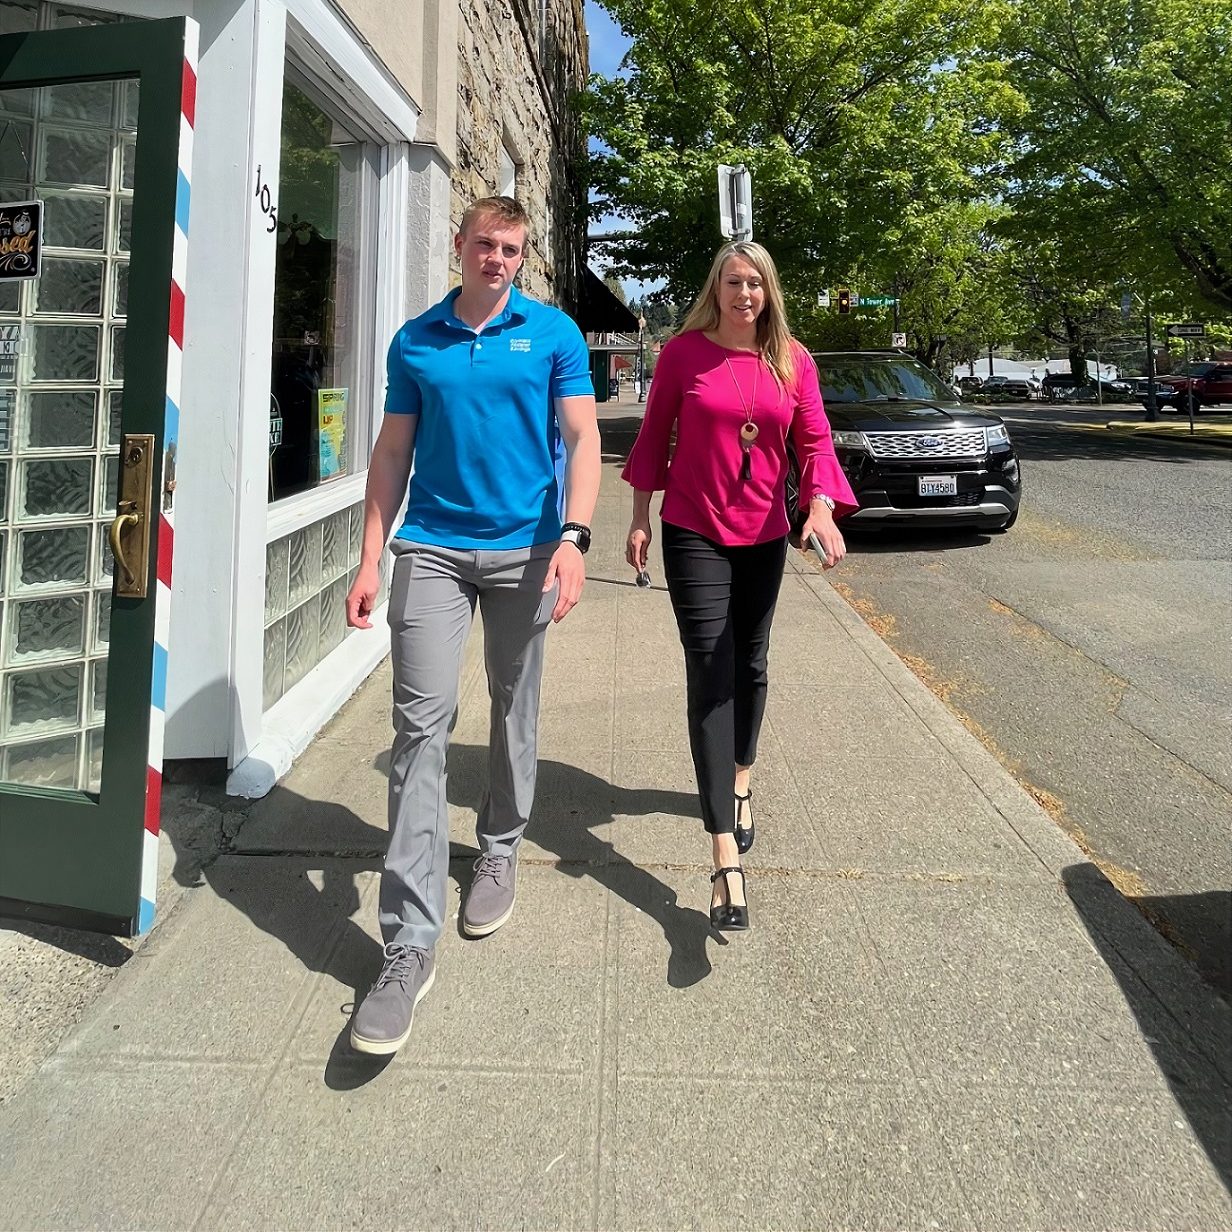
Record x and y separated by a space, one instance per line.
641 361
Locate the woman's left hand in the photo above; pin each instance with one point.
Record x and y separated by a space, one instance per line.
821 523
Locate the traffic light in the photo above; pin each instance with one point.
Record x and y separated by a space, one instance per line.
844 300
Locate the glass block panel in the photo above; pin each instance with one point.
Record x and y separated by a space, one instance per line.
277 575
75 222
98 691
4 546
117 353
51 628
42 763
4 490
303 640
119 297
55 487
65 352
73 156
129 95
356 517
94 759
70 288
44 699
102 618
124 229
59 419
10 292
115 402
128 161
16 152
274 674
104 562
53 557
333 616
86 102
335 545
109 484
305 573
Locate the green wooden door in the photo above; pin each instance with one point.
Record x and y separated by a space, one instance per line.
95 133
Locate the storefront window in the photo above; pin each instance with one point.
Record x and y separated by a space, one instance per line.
323 298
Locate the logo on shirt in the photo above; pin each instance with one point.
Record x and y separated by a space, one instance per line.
519 344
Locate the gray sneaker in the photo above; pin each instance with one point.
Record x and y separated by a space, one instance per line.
383 1023
490 901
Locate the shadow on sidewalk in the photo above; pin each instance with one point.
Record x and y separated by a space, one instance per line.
583 854
1187 1025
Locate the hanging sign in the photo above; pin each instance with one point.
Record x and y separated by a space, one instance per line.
21 239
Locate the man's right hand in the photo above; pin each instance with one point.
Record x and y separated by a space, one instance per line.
361 598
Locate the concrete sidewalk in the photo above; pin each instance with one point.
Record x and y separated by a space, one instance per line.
943 1016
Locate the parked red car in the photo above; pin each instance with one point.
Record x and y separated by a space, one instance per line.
1211 384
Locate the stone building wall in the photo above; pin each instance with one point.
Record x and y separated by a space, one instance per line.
519 64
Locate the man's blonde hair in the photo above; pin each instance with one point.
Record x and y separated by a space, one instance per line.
505 210
774 339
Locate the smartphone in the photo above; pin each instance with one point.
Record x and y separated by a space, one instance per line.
815 544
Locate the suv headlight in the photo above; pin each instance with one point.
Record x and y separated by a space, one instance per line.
997 436
849 440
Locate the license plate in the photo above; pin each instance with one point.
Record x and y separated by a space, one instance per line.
938 485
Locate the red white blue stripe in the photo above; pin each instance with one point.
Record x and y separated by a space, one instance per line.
166 528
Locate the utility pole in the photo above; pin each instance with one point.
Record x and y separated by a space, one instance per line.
1152 411
990 358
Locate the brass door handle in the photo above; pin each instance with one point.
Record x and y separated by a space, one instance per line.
117 548
131 535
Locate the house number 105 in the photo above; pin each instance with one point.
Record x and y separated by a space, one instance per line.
267 206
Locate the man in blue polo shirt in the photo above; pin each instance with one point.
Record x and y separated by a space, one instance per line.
478 388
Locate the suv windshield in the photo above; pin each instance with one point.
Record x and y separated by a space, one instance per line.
852 378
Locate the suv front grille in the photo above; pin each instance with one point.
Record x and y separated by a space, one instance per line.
948 443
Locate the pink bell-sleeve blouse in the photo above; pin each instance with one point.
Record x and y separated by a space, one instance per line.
702 389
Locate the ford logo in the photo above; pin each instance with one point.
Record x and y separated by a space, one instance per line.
930 442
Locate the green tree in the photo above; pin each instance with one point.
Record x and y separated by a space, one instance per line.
1123 133
848 116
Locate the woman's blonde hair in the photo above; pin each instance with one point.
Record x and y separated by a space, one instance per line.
774 339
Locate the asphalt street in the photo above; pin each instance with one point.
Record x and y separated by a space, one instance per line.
1089 648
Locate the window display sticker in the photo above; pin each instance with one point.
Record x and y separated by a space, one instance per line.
331 432
7 398
21 231
10 349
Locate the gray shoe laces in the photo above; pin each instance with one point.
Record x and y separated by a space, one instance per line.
490 866
402 963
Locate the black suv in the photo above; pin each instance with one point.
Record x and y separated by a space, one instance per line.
914 454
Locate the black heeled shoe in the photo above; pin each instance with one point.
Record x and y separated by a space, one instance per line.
728 917
744 834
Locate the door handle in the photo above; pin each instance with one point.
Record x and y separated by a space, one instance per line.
129 534
117 545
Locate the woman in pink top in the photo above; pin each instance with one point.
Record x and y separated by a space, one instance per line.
736 387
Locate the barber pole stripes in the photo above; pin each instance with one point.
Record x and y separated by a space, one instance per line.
166 518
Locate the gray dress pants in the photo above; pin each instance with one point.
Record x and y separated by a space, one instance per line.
431 604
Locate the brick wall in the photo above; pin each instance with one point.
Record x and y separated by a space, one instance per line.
519 62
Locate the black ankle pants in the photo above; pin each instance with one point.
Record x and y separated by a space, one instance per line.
724 601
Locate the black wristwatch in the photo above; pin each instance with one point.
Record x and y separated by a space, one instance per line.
576 534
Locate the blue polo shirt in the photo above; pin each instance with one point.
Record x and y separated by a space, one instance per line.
485 446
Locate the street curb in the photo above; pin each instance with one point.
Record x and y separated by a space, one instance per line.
1178 436
1172 980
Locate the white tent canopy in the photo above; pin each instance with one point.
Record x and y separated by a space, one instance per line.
1032 367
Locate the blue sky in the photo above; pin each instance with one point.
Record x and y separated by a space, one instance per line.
607 43
607 47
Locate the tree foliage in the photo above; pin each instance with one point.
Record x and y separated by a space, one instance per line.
1005 168
1123 135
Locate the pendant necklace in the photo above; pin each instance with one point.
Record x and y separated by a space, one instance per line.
748 429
